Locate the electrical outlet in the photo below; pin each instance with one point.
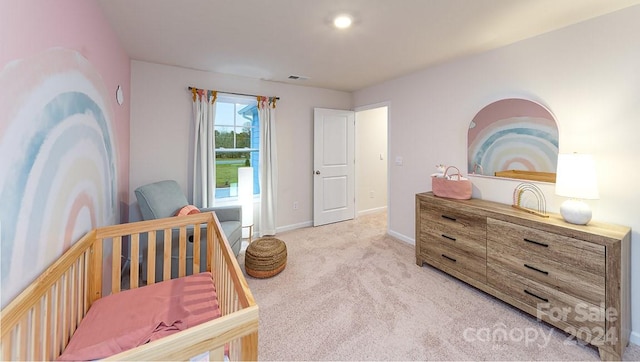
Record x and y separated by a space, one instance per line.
295 205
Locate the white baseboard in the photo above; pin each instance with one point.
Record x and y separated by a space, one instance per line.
309 223
402 237
635 338
372 211
301 225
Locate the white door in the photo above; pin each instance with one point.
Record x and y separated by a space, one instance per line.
334 169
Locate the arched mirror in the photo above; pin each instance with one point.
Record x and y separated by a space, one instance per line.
514 138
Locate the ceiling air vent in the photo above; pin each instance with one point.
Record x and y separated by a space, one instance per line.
298 77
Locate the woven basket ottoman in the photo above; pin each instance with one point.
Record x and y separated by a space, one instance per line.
265 257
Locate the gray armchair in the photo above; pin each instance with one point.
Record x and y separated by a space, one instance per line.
164 199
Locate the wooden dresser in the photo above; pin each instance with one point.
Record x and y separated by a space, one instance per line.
573 277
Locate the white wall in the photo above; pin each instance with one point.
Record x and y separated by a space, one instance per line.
371 160
588 75
162 131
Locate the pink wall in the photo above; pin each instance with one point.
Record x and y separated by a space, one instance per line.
64 141
32 26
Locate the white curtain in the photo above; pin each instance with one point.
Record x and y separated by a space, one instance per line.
268 166
204 162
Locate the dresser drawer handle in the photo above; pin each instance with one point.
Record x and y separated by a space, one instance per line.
536 242
448 217
450 258
448 237
536 269
537 296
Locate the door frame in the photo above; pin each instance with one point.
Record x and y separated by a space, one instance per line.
366 108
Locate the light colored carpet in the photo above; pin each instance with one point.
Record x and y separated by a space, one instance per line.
351 292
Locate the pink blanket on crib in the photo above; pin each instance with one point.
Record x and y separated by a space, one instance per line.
134 317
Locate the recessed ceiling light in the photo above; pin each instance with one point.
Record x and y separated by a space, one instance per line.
342 21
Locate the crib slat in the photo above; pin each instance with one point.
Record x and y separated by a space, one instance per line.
166 261
224 296
86 278
182 252
5 351
55 337
233 350
217 354
95 273
151 257
22 338
72 300
212 239
134 275
79 287
61 314
64 311
232 292
214 255
116 264
37 336
225 276
82 288
196 249
30 337
248 350
48 325
228 290
79 291
51 315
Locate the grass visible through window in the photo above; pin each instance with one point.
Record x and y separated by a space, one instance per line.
227 171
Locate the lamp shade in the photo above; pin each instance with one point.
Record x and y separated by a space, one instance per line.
576 176
245 194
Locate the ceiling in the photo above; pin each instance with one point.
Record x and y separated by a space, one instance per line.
273 39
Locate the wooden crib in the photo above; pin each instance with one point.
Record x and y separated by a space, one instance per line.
39 323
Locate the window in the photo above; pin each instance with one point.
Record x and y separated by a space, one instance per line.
237 137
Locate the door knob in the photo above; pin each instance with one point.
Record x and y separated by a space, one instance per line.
318 172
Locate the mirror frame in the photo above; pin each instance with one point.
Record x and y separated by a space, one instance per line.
513 138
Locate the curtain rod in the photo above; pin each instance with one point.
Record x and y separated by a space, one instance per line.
238 94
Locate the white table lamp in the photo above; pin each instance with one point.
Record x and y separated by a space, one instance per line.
245 197
576 179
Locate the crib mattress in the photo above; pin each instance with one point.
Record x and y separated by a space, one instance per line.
134 317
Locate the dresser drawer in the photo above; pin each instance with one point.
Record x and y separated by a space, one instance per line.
466 224
576 282
463 262
444 225
573 254
451 236
587 320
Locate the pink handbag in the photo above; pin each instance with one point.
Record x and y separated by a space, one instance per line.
453 188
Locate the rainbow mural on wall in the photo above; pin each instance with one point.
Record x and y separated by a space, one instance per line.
57 161
512 134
